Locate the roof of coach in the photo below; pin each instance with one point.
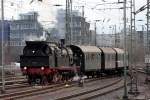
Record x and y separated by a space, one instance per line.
118 50
107 50
90 49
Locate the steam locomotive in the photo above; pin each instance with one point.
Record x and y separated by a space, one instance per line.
44 62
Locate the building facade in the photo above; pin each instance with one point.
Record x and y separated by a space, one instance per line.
6 30
79 29
26 28
5 40
92 37
108 40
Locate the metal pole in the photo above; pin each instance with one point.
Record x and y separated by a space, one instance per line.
135 60
125 96
147 50
71 24
131 67
95 33
115 35
3 74
147 27
82 27
66 34
68 20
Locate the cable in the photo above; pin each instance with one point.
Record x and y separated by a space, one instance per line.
141 9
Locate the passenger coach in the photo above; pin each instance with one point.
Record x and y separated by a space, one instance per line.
119 59
108 64
88 58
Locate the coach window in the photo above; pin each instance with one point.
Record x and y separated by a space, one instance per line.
97 57
119 57
85 56
90 57
108 57
114 57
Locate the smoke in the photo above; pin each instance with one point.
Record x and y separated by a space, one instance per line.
43 37
36 38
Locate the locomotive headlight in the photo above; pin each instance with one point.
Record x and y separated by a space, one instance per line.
42 68
25 68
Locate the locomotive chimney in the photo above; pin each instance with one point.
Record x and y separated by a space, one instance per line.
62 42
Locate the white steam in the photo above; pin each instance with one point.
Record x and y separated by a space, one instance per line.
32 37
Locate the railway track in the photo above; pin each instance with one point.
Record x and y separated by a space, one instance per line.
14 78
86 95
16 86
38 90
14 82
141 71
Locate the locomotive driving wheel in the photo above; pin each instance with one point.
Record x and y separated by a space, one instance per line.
38 80
31 80
44 80
57 77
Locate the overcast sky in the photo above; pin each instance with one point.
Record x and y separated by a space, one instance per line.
47 11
